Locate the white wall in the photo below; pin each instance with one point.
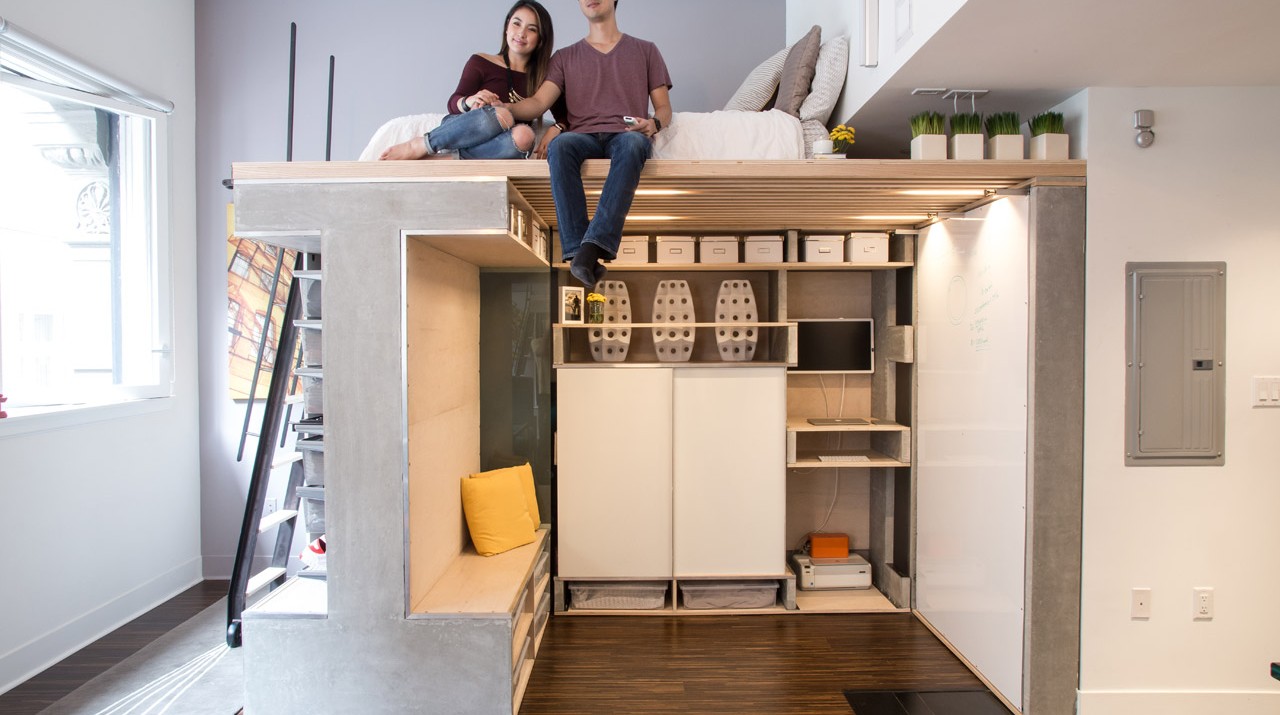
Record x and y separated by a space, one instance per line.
1198 194
904 26
393 57
101 522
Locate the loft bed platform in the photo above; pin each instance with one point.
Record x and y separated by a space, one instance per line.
730 195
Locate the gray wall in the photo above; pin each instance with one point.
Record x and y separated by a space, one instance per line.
393 58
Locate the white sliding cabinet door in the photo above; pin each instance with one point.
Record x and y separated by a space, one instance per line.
729 451
971 436
614 473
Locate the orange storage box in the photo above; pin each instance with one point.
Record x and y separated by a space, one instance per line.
828 546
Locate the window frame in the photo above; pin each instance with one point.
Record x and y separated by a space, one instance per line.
159 244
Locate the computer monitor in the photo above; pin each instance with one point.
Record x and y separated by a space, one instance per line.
835 345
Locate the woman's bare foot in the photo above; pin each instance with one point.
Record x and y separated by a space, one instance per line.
415 148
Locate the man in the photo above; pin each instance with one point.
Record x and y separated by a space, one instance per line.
604 77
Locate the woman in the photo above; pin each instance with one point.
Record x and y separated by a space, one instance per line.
477 127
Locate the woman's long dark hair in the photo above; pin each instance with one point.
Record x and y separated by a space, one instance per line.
541 59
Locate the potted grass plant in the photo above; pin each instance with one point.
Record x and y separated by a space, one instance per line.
966 136
1049 139
928 136
1004 136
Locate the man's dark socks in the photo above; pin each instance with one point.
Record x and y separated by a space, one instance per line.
586 265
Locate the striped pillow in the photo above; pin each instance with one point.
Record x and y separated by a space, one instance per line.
828 80
757 89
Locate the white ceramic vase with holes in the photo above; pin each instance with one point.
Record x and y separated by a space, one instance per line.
673 317
1049 147
929 147
611 339
967 147
1006 147
736 336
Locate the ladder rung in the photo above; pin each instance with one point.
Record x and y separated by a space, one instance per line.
286 459
262 578
276 518
251 433
295 399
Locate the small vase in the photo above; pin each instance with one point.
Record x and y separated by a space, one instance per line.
595 311
966 147
1005 147
929 147
1049 147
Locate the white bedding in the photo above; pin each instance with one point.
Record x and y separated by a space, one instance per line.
692 135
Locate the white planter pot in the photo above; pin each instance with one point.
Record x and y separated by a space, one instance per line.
966 147
929 146
1049 147
1005 147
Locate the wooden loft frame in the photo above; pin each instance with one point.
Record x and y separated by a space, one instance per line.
729 196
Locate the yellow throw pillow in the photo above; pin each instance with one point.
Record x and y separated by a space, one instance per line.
525 473
497 514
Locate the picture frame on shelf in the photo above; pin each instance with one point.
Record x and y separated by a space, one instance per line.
572 304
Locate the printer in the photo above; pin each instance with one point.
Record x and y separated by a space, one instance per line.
822 574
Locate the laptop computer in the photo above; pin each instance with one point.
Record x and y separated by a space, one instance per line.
828 421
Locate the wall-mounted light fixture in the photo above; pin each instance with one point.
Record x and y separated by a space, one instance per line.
1143 120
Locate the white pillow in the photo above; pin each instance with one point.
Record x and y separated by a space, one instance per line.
757 89
395 131
828 80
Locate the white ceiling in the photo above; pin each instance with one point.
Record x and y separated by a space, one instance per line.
1033 54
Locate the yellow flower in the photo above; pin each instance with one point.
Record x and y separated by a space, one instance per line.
595 298
842 137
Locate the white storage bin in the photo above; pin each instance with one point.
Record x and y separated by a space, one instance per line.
823 249
729 594
633 249
313 515
631 595
312 347
312 467
718 249
312 395
866 248
675 249
310 286
762 249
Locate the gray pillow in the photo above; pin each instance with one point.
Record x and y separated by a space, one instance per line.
797 72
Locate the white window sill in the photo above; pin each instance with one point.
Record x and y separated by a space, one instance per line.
45 419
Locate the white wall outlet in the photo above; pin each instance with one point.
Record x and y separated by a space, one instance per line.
1202 603
1140 604
269 506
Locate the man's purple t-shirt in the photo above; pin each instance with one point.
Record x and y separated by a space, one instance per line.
600 89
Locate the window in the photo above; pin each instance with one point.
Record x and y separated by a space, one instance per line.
84 277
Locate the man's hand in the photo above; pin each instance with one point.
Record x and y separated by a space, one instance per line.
645 126
540 151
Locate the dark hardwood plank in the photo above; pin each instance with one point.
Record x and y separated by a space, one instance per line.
91 661
734 664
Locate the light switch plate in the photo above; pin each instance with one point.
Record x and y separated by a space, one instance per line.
1264 391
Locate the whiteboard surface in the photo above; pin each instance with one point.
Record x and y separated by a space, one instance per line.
971 430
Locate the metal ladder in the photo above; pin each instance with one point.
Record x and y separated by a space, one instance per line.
268 460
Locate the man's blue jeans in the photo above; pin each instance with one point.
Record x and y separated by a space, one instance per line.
627 153
474 135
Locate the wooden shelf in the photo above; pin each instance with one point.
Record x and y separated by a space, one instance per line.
650 326
487 248
741 267
808 459
801 424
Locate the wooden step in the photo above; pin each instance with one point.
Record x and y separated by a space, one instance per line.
276 518
264 577
285 460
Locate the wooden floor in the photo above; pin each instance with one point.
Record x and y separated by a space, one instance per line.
734 664
82 666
